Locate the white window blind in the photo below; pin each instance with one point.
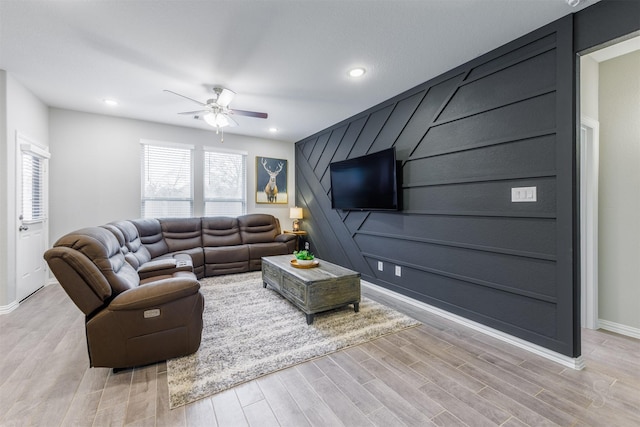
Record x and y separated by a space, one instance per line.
167 184
225 183
33 203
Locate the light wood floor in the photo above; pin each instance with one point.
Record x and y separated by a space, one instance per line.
437 374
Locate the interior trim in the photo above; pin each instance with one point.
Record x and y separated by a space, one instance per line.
619 328
6 309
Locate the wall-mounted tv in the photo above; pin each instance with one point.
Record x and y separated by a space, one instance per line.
365 183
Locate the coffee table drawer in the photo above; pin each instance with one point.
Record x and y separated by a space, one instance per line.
295 289
334 293
271 275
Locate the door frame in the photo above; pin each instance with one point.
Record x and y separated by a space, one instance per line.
589 170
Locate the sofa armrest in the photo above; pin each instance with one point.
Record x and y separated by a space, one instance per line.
155 293
165 266
285 237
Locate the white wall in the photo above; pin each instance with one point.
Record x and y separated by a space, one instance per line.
95 166
619 196
22 112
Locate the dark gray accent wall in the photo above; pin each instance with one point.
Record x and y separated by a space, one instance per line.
464 139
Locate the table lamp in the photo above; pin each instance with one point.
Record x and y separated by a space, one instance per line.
295 214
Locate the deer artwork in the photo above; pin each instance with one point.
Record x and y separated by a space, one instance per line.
271 189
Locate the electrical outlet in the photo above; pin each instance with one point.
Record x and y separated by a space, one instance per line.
380 266
398 271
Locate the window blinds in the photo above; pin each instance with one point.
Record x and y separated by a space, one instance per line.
225 183
167 184
33 204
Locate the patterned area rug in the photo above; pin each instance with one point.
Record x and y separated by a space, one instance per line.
250 331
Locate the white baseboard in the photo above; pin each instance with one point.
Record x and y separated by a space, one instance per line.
6 309
570 362
619 328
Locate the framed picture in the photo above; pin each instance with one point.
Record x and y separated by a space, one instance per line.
271 180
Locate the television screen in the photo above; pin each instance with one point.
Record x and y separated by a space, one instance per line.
365 183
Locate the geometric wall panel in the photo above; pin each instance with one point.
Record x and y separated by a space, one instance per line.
464 140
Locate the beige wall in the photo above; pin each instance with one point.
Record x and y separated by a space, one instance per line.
95 166
619 195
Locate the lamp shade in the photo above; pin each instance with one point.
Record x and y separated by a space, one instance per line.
295 213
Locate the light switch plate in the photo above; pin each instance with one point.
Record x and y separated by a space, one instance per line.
380 266
524 194
398 271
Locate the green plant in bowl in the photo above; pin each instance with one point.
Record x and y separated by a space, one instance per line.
304 257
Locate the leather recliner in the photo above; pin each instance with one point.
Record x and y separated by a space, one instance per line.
129 322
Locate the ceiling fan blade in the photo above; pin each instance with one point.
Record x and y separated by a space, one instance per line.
232 122
225 96
250 114
186 97
194 112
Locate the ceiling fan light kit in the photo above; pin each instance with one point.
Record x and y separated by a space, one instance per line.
217 120
216 111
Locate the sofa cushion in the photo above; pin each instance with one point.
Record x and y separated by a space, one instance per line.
220 231
150 233
258 228
182 234
226 254
133 243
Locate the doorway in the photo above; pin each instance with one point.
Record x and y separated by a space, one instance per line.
32 162
606 189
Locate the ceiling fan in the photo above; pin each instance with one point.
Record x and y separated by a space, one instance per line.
216 111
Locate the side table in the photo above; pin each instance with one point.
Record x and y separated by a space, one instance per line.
299 233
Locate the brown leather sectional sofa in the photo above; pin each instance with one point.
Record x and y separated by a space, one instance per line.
136 281
214 245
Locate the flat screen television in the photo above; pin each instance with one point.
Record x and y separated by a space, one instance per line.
368 182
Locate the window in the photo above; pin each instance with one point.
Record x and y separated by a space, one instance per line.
225 183
33 203
167 184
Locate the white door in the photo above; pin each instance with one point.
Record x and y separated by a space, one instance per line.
32 206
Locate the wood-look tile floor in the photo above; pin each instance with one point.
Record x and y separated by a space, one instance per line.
437 374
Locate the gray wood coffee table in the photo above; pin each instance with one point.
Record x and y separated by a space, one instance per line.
312 290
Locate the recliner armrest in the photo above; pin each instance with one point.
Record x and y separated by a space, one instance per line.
165 266
285 237
155 293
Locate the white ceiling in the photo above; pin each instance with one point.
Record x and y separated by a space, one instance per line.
284 57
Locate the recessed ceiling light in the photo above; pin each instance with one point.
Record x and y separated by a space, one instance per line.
110 102
357 72
273 130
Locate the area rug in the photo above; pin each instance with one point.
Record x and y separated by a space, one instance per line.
250 331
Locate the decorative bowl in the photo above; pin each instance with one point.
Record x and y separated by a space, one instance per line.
305 261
